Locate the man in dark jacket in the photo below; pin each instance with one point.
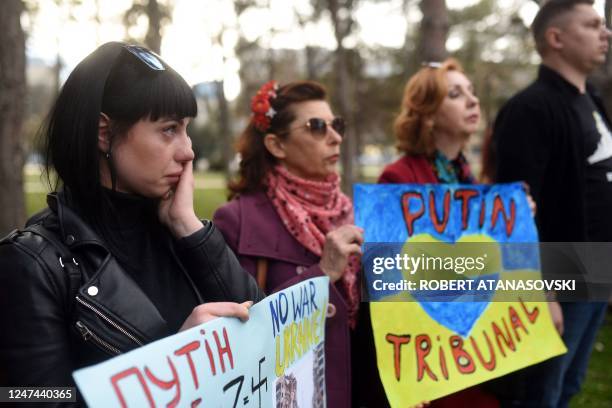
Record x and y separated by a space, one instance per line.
555 136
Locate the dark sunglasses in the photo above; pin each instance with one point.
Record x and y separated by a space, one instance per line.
318 126
148 57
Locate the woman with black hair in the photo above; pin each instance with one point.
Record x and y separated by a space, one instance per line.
119 258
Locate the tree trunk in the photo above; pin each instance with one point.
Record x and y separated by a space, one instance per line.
311 67
12 104
309 50
434 30
224 129
608 15
271 64
343 92
57 73
153 37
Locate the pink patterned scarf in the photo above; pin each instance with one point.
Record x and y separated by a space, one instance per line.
310 209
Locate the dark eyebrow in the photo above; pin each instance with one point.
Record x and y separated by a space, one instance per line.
598 20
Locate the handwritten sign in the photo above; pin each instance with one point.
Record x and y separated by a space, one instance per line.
274 359
475 236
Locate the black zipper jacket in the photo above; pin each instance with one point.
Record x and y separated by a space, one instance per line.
65 302
539 140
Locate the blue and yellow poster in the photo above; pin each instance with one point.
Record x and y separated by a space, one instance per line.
453 276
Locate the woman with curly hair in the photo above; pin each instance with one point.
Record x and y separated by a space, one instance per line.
289 221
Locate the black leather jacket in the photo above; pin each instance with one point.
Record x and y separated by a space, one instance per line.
51 325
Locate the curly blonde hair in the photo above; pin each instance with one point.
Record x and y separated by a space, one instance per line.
423 96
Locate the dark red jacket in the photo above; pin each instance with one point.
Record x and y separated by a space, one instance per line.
408 169
252 229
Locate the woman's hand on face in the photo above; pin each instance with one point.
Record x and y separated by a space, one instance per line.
339 245
176 207
209 311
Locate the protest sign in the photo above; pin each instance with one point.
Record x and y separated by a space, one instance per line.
438 260
275 359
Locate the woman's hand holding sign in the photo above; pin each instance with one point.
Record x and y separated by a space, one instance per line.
209 311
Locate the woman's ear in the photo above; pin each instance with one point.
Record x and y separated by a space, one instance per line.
104 133
275 146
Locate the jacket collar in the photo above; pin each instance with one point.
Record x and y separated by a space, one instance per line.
263 234
552 77
117 292
74 232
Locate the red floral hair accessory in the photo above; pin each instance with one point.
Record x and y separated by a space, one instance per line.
261 106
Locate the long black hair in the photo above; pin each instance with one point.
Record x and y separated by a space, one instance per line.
113 81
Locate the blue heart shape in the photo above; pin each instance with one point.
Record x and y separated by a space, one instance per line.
457 310
460 310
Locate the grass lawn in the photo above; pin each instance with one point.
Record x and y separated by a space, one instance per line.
597 388
210 193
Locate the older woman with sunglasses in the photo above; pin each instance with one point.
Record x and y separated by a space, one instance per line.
289 221
119 258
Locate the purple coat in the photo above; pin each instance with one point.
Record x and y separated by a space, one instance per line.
253 229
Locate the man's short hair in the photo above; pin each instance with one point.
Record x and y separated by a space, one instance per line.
547 15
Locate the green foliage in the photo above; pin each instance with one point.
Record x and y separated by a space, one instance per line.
597 389
207 142
208 200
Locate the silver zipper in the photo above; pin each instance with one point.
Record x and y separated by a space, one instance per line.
88 334
109 321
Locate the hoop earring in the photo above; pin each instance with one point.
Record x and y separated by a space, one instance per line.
107 155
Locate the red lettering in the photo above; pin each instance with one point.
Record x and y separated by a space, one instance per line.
211 359
516 322
195 403
533 315
224 350
186 350
442 357
465 196
498 207
166 385
439 225
410 217
489 365
423 347
507 338
123 374
465 362
397 341
481 219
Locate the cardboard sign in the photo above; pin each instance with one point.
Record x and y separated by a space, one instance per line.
433 342
276 358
